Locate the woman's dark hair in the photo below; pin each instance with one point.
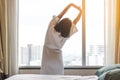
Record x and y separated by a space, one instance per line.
64 27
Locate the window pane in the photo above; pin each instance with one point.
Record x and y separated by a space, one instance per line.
34 16
72 50
94 32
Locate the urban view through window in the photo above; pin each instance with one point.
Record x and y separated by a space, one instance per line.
34 17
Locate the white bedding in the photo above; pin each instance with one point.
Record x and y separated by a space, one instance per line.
50 77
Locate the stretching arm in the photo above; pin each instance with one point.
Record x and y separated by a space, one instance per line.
79 14
78 17
64 11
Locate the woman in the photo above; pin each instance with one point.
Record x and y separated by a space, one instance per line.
59 30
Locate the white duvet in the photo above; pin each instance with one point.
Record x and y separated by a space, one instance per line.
50 77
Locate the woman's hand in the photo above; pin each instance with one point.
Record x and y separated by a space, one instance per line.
60 15
75 6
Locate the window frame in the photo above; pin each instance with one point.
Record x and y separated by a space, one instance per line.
84 34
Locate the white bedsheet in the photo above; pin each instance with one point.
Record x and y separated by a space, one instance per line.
50 77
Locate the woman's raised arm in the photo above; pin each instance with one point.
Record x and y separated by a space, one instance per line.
64 11
78 16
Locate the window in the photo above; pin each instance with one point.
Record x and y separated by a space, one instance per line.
94 32
84 48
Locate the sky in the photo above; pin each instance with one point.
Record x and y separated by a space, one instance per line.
36 14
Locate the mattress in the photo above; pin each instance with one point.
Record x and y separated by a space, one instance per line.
50 77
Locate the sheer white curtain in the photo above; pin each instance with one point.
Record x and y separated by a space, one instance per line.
110 12
12 23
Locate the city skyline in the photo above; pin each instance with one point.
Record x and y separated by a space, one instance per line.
32 55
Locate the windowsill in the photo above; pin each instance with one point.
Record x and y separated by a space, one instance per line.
68 67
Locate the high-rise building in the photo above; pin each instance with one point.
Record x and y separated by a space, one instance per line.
31 55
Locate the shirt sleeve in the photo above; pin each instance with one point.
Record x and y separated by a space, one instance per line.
73 29
54 20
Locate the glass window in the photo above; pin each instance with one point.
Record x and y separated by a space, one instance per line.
34 17
94 32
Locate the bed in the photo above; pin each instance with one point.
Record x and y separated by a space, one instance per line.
50 77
